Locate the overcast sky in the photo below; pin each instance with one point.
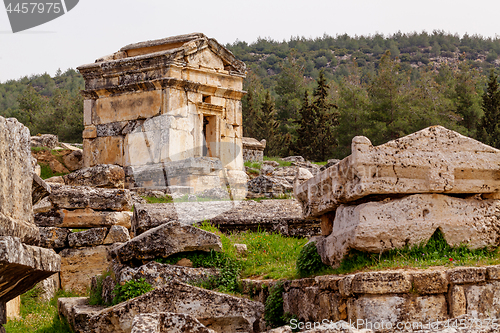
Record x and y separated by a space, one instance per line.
99 27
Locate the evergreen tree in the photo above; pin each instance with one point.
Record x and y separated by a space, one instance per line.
489 127
266 126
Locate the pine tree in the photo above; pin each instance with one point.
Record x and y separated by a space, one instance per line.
489 127
266 126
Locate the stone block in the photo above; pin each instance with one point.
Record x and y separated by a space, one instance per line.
88 109
463 275
382 225
217 311
394 309
104 150
13 309
117 234
82 218
111 129
386 282
16 210
483 301
176 102
458 301
430 282
311 304
53 237
158 274
131 106
49 287
81 197
78 266
74 160
328 282
77 312
22 266
90 237
167 322
493 272
165 240
44 140
103 175
345 285
90 132
39 190
433 160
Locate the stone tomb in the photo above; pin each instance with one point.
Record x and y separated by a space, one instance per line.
167 104
401 192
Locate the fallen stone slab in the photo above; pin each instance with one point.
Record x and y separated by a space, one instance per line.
39 190
77 312
270 186
280 216
45 140
379 226
78 266
165 240
54 238
22 266
81 197
102 175
158 274
82 218
217 311
167 322
433 160
74 160
90 237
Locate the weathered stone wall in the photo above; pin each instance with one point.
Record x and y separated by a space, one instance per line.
420 296
253 150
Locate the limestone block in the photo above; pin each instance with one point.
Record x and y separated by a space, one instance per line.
176 102
462 275
165 240
345 285
310 304
90 132
44 140
386 282
39 190
493 272
430 282
103 175
483 301
194 97
117 234
90 237
22 266
74 160
131 106
77 312
393 309
104 150
82 218
43 206
167 322
78 266
217 311
158 274
49 287
54 238
433 160
111 129
88 109
81 197
16 210
458 302
230 112
328 282
381 225
13 308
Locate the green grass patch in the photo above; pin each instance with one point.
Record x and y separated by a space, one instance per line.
279 160
37 149
39 317
46 172
320 163
284 196
435 253
154 200
130 289
253 165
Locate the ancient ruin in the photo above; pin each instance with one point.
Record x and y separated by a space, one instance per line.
169 111
401 192
22 263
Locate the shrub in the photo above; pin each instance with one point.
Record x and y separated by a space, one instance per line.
309 261
95 293
130 289
273 309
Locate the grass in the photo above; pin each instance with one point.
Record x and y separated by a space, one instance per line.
269 256
154 200
253 165
39 317
46 172
285 196
279 160
37 149
435 253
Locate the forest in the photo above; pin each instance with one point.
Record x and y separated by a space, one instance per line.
310 96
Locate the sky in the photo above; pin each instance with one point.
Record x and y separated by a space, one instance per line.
95 28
